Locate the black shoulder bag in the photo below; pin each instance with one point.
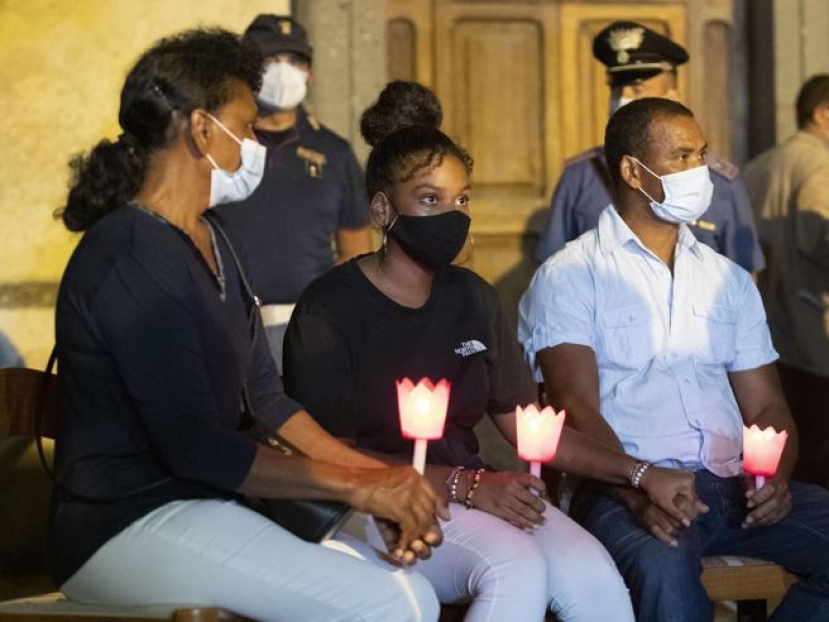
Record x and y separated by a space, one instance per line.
313 521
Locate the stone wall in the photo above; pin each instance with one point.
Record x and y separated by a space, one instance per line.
62 65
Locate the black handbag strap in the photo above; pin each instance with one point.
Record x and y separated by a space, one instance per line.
250 422
253 300
254 304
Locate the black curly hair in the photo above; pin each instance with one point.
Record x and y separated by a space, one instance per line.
193 69
402 127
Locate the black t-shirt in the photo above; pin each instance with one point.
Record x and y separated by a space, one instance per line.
347 344
152 360
313 186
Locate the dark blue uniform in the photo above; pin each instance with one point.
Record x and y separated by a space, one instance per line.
582 194
313 186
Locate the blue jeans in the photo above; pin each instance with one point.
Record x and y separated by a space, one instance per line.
665 581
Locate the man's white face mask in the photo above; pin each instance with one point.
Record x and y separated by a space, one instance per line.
687 194
284 86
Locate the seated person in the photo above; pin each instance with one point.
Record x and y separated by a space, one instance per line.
155 349
405 312
658 345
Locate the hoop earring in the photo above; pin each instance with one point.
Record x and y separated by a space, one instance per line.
470 252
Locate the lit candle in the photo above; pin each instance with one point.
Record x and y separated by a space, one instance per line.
422 414
538 435
761 452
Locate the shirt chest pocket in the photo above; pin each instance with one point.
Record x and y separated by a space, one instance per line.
716 328
627 337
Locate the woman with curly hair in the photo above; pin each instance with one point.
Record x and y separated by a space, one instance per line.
156 353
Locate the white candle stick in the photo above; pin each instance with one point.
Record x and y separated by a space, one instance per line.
419 460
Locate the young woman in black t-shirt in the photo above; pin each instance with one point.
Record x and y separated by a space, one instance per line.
405 311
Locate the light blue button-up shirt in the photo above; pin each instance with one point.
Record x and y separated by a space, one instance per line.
664 343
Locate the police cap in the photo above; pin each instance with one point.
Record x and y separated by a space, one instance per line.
275 34
631 52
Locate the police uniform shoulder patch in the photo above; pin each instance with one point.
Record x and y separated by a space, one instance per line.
584 156
727 169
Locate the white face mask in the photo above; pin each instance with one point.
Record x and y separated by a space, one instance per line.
618 102
226 187
687 194
283 86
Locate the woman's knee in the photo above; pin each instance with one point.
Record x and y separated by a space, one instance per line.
417 599
512 559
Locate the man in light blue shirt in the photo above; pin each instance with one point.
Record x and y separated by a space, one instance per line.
656 344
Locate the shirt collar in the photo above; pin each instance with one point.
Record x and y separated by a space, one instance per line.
614 233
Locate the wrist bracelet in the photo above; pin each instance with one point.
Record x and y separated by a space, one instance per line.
452 484
475 483
637 472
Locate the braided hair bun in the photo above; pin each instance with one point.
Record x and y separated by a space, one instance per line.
402 129
400 104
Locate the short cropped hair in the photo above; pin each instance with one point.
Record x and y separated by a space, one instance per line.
813 93
628 131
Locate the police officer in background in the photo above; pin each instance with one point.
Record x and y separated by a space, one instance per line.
642 63
311 210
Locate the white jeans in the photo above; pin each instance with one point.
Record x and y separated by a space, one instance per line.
220 553
511 574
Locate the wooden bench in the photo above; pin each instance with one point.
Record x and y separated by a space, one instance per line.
754 584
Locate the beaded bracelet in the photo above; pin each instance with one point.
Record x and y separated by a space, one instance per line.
637 472
475 483
452 484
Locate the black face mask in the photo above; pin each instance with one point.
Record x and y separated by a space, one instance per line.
432 241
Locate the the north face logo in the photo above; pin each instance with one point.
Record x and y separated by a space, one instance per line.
468 348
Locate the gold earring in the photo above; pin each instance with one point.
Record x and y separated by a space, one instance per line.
471 250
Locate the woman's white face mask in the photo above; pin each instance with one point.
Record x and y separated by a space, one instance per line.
228 187
687 194
284 86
